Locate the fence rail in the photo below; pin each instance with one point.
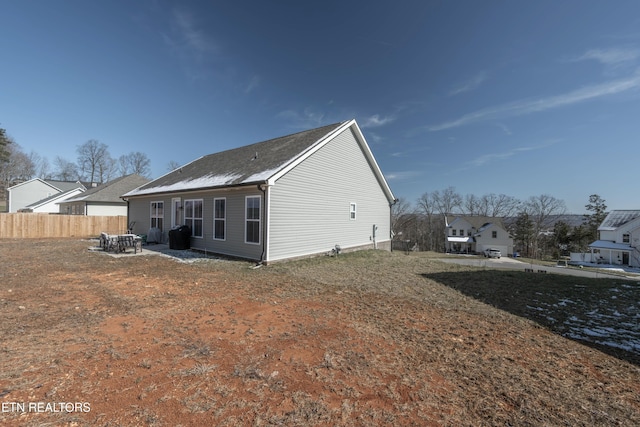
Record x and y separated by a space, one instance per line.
36 225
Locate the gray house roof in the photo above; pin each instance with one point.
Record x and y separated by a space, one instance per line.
618 218
64 186
55 196
55 184
111 192
250 164
479 222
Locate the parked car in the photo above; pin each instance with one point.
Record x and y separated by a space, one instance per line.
492 253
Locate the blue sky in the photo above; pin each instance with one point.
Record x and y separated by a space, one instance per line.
515 97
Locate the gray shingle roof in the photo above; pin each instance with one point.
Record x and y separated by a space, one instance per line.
110 192
246 165
479 221
64 186
617 218
55 196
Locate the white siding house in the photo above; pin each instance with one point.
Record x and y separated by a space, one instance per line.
475 234
29 192
50 204
293 196
619 239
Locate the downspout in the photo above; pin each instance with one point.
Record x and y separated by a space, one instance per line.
264 187
391 221
129 216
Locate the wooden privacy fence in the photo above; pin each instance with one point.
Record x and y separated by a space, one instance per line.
37 225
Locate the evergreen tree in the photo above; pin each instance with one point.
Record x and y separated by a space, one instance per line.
562 237
598 211
524 233
5 142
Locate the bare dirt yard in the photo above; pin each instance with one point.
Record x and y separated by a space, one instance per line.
369 338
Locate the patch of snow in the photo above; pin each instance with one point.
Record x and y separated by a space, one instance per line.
605 322
189 184
261 176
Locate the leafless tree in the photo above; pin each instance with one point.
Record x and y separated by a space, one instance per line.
23 167
134 162
172 165
17 167
471 205
400 213
65 170
499 205
107 169
94 161
541 211
41 165
447 201
15 164
542 208
432 226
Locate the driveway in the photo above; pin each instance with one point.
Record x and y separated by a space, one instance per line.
514 264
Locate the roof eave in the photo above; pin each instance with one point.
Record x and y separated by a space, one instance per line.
197 190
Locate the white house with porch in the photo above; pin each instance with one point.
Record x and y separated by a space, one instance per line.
474 234
619 239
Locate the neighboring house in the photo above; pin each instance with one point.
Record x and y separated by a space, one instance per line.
104 199
29 192
50 204
619 239
288 197
474 234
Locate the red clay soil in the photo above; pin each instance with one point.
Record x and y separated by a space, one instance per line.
148 340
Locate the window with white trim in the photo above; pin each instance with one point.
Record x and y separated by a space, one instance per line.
193 216
352 211
626 238
157 215
453 231
494 234
252 219
219 218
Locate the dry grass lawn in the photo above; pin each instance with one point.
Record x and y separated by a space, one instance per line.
370 338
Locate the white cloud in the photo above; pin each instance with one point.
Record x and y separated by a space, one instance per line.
376 121
469 85
612 56
488 158
374 137
504 128
187 38
524 107
402 175
410 152
306 119
253 83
